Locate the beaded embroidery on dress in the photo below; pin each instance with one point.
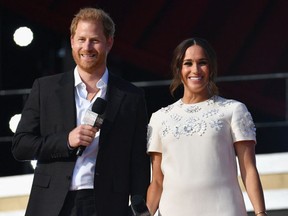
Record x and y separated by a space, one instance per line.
198 156
198 125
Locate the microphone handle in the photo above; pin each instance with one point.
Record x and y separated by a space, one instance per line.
98 108
80 150
97 124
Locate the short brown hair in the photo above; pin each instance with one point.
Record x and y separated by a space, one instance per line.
97 15
177 60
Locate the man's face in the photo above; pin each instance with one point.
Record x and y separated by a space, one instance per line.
90 47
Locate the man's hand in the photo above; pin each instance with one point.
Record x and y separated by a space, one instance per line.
82 135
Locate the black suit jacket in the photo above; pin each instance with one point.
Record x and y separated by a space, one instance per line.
122 167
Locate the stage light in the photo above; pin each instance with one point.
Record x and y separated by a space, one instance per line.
23 36
13 123
33 164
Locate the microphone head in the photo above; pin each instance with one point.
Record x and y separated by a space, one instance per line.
99 106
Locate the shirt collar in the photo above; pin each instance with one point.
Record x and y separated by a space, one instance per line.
102 82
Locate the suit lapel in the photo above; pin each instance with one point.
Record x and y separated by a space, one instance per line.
65 94
114 98
66 97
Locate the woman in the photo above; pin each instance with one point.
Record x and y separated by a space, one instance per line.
194 142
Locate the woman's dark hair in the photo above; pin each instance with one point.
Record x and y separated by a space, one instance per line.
177 60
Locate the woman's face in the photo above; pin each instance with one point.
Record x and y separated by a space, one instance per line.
195 72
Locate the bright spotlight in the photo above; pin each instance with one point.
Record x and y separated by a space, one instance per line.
23 36
13 123
33 164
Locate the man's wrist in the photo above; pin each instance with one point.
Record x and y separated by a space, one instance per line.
70 147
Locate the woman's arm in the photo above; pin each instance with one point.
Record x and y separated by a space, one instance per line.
156 186
245 151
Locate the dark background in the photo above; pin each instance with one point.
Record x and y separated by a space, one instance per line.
250 38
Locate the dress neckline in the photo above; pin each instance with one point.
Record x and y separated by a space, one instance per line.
181 103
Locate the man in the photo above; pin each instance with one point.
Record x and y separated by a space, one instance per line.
114 164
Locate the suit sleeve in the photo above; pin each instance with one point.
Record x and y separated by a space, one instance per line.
29 141
140 160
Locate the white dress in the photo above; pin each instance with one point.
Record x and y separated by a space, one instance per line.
198 157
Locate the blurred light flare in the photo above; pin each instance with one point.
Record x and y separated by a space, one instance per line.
23 36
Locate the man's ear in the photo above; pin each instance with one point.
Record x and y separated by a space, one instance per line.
71 41
110 42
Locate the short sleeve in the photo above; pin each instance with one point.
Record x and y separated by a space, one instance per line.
242 125
153 136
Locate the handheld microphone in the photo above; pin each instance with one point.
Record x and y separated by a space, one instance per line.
138 206
93 117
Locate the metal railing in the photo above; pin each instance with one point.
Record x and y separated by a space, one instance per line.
234 79
144 84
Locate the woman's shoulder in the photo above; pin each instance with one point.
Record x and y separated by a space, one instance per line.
222 101
235 106
163 112
166 109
